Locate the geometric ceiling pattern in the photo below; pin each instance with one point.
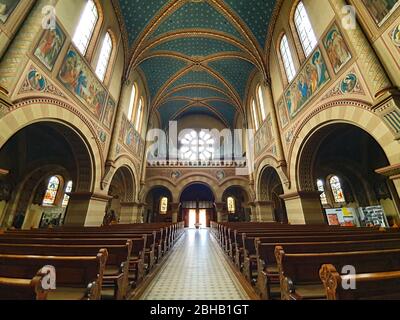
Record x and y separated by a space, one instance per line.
197 55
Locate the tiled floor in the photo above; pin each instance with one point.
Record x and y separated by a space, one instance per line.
196 270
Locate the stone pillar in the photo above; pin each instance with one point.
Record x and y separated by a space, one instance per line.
129 213
373 71
393 173
221 214
304 207
254 215
265 211
174 212
16 57
86 209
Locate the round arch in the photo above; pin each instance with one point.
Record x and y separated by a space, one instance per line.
159 182
124 162
199 181
343 112
36 111
273 163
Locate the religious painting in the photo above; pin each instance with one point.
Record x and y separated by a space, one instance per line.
380 10
49 46
77 77
283 116
6 8
264 136
349 83
396 36
36 80
307 83
130 136
337 49
109 113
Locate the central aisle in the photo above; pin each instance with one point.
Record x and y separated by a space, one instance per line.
195 270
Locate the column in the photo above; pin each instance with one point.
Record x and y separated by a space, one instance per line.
373 71
304 207
17 55
222 216
254 215
86 209
130 213
265 211
393 173
175 212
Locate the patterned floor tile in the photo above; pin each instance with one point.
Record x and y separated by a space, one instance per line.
196 270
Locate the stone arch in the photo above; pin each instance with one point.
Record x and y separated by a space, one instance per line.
237 182
159 182
77 129
126 164
198 179
345 112
270 162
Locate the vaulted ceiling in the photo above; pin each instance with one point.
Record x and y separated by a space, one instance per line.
197 55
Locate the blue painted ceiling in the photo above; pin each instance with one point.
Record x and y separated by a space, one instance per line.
197 49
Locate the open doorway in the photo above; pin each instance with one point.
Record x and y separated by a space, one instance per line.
192 218
197 206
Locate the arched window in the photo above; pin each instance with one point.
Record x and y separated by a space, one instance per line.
197 146
337 190
51 192
321 187
231 205
164 205
304 29
287 59
139 115
87 24
255 115
132 102
262 104
105 55
68 189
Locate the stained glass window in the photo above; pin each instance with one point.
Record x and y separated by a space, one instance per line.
287 59
164 205
51 192
255 115
87 23
105 55
321 187
68 189
231 205
304 29
197 146
132 103
337 190
262 104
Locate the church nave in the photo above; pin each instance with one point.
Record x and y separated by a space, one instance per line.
195 270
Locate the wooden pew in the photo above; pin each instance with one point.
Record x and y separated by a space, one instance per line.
299 273
267 268
136 260
77 278
116 273
368 286
23 289
246 259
